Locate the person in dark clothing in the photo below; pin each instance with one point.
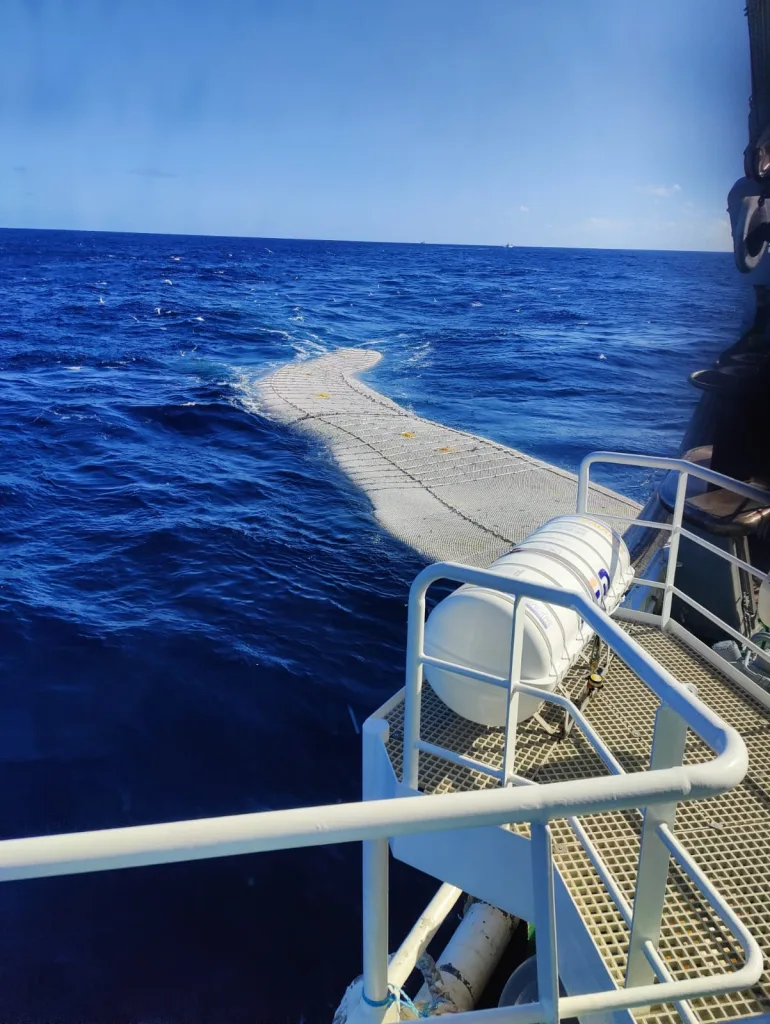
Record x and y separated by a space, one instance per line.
750 226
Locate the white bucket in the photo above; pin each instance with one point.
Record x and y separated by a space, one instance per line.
472 627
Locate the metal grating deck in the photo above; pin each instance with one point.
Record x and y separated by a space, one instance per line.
728 836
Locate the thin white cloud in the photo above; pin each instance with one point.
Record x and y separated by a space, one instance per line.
662 191
523 209
705 232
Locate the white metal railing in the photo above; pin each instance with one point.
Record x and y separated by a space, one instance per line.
677 530
657 791
374 821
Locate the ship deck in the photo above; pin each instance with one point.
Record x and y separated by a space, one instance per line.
728 836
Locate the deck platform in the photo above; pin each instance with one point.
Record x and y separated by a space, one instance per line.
728 836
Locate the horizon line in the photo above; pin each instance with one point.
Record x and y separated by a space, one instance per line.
362 241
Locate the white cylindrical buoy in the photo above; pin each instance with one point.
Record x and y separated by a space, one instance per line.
472 627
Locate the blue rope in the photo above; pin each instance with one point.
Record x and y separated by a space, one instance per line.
396 996
404 998
377 1002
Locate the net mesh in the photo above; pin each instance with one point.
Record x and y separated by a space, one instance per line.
450 495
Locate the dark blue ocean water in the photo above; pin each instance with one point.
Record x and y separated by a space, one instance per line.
194 601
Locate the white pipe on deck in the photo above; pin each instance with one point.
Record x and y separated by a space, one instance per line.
414 945
471 956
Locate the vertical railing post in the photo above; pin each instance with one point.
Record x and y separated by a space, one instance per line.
583 476
545 922
415 639
374 883
673 549
652 871
514 678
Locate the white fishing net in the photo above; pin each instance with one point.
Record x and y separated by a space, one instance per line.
450 495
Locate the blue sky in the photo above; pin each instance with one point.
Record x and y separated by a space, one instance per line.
534 122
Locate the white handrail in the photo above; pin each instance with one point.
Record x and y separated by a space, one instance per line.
374 821
132 846
141 845
716 734
667 776
709 476
673 695
685 469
